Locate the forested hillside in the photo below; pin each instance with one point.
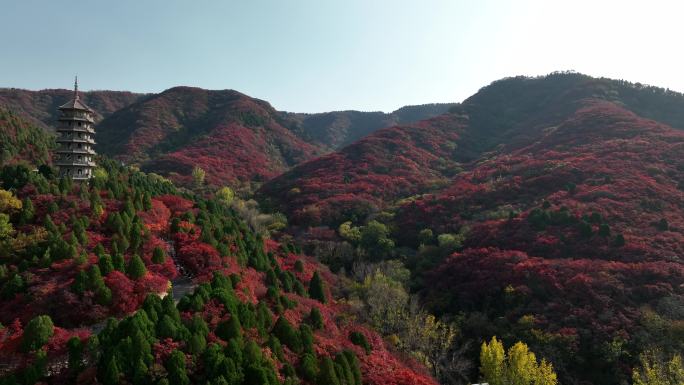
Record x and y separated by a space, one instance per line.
126 280
22 141
544 210
232 137
531 235
337 129
40 107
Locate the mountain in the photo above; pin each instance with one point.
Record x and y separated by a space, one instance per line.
405 160
40 107
545 210
339 128
234 138
581 231
22 141
360 178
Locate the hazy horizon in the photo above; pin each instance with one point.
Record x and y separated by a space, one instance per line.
305 57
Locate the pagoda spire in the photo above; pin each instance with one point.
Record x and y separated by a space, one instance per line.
76 87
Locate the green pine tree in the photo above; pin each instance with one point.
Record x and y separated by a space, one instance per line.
317 288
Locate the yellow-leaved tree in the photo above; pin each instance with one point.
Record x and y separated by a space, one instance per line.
655 370
8 202
519 366
198 175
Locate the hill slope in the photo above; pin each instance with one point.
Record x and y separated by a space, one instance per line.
502 117
22 141
40 107
339 128
193 295
573 242
233 137
566 215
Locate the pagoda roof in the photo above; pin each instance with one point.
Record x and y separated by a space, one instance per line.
75 104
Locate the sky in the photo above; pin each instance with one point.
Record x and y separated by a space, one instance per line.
323 55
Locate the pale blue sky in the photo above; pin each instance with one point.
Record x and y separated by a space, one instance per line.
320 55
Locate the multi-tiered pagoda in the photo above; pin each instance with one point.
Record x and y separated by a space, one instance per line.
75 155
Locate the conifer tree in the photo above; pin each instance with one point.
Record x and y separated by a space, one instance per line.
118 261
287 334
158 255
75 348
106 264
316 319
327 374
37 333
309 367
136 268
111 375
316 288
230 329
175 366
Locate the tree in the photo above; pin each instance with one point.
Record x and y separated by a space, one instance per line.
354 366
198 175
309 367
37 333
655 370
230 329
158 255
426 236
386 300
106 264
424 333
327 375
75 348
350 233
8 202
316 319
287 334
136 268
175 366
111 375
317 288
518 367
6 228
225 195
375 238
357 338
299 266
27 211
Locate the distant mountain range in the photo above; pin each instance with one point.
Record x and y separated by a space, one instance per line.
235 138
405 160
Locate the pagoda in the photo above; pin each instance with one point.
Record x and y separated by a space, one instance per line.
75 138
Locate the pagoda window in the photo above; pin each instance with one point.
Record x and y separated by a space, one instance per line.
79 145
80 171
